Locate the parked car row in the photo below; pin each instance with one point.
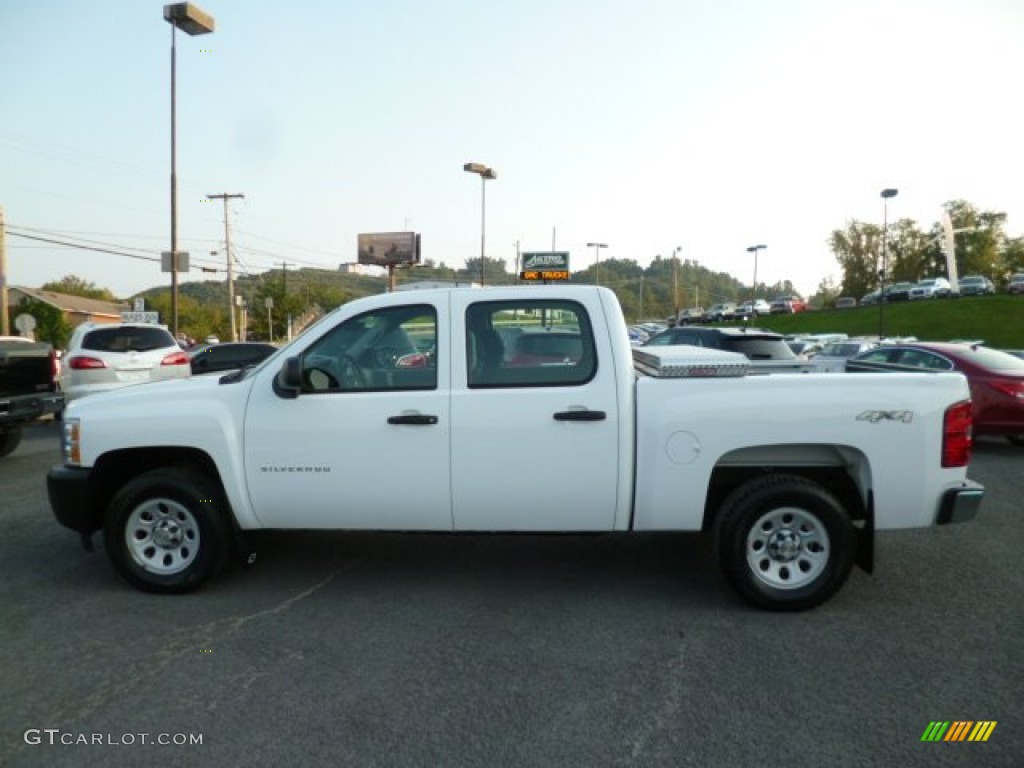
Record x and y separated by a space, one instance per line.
934 288
726 311
105 356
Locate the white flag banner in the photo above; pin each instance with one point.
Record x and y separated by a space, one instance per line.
949 249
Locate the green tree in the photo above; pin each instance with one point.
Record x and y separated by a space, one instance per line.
495 271
196 320
50 323
826 294
73 285
1013 257
980 241
856 248
284 305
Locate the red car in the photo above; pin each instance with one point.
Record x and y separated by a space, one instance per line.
788 305
996 379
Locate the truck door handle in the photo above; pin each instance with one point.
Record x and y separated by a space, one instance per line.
580 416
419 419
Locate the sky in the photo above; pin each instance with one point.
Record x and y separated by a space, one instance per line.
655 126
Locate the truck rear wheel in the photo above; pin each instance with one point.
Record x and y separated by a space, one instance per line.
9 440
166 531
784 543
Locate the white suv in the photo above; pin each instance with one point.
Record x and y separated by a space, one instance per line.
932 288
104 356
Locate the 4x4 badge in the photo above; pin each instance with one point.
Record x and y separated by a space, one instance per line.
876 416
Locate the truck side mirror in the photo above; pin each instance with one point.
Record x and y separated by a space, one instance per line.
288 382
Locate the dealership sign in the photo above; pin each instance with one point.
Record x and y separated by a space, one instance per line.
545 265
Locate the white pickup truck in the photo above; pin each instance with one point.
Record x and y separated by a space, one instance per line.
515 409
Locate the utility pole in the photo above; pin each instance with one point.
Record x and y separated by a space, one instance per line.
227 249
284 276
5 320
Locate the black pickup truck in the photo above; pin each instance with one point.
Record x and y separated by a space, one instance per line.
28 387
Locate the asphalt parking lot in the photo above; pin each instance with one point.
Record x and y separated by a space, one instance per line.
402 650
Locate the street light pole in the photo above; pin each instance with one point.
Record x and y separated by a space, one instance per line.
486 174
753 288
597 260
675 279
886 194
193 21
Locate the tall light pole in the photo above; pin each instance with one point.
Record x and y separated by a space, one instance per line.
753 289
191 20
886 194
675 279
597 260
486 174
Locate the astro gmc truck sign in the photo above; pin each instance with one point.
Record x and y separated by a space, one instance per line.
545 265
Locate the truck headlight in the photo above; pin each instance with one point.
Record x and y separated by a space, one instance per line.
71 444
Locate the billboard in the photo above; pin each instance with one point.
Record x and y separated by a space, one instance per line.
545 265
382 249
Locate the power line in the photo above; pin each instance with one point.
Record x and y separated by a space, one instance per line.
84 247
94 245
116 249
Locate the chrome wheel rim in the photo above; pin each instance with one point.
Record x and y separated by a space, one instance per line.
162 536
787 548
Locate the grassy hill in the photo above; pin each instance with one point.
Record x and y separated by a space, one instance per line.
996 320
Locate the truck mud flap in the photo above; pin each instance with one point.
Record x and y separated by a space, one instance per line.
245 551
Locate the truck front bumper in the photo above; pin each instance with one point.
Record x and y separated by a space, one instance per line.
71 499
961 504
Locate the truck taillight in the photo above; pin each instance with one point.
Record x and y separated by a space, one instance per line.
956 435
83 363
175 358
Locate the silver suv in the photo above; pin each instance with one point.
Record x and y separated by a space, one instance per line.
105 356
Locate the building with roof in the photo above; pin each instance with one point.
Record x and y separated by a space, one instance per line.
76 309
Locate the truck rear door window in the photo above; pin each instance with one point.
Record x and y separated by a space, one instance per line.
529 344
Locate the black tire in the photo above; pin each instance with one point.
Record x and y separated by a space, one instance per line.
167 531
1016 439
9 440
784 543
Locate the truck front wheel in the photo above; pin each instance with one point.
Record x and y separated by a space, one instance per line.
166 531
784 543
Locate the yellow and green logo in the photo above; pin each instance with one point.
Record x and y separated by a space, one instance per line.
958 730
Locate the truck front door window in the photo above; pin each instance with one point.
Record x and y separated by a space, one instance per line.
385 349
